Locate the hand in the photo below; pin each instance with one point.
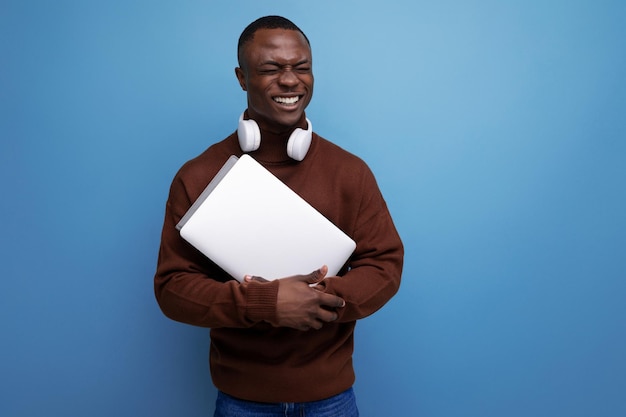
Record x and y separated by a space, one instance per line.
302 307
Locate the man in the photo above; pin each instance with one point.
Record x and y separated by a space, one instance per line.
282 345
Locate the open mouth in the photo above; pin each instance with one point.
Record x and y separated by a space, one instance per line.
288 101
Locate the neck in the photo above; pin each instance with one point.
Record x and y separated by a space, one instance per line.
274 142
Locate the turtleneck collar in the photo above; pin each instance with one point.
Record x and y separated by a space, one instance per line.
273 147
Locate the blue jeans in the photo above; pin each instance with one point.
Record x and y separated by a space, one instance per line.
341 405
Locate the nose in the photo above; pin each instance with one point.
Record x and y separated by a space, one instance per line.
288 78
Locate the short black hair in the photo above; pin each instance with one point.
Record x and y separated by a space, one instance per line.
266 22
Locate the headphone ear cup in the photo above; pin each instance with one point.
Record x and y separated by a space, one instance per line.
299 142
249 135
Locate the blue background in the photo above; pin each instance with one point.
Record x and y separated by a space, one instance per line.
496 130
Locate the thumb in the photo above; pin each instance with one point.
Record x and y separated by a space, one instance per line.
316 276
250 278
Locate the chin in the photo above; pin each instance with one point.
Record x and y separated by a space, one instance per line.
285 118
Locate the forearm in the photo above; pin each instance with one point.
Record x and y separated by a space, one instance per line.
365 288
198 300
375 269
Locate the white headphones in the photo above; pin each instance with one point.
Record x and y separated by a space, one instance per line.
297 146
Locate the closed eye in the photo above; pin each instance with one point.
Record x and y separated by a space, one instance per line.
303 69
269 70
272 67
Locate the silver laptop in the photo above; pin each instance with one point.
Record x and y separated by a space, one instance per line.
249 222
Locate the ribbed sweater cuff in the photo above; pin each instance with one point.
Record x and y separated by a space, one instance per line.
261 301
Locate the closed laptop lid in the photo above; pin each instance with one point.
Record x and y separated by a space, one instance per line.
250 223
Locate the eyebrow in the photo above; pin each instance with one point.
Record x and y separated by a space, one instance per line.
278 64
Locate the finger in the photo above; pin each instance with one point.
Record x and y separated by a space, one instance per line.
314 325
332 301
250 278
327 316
315 276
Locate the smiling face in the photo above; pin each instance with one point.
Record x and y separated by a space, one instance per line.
276 72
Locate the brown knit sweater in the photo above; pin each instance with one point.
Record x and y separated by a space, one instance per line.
249 358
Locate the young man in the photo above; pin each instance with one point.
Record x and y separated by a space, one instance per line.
282 345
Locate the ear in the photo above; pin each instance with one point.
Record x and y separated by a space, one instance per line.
241 77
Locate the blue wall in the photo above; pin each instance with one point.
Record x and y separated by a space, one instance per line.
496 130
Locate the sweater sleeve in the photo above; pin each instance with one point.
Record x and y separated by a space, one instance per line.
376 266
191 289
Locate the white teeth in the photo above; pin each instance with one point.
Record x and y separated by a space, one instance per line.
287 100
